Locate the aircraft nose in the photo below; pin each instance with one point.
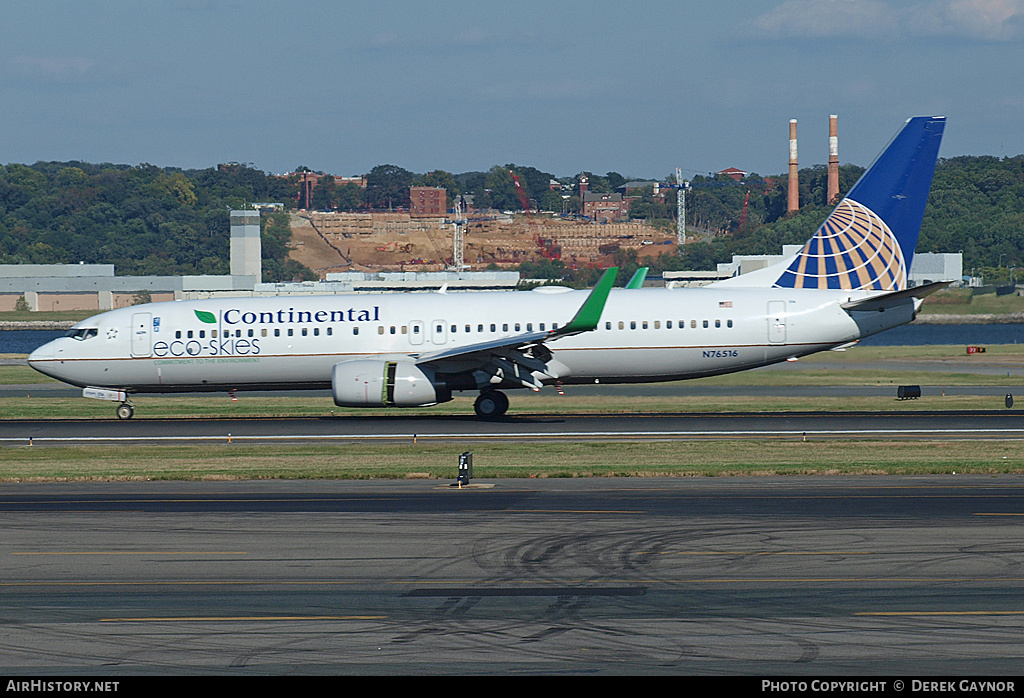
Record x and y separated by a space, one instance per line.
47 351
40 353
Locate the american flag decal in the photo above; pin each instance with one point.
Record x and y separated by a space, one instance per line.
724 304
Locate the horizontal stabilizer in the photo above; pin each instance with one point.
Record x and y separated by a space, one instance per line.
889 299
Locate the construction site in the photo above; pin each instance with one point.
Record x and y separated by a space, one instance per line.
332 242
337 242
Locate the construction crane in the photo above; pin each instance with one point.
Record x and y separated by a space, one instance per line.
459 226
681 207
524 200
743 213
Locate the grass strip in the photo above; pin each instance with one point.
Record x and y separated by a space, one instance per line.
759 457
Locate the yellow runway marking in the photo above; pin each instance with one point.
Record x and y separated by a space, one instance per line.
575 511
754 552
172 619
940 613
142 552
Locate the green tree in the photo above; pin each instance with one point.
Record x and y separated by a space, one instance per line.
387 187
440 178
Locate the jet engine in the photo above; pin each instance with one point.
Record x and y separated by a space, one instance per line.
377 383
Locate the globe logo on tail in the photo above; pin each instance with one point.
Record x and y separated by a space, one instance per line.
853 249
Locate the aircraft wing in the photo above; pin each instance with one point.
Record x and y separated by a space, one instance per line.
638 278
518 357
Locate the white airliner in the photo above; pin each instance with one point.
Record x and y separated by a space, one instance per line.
412 350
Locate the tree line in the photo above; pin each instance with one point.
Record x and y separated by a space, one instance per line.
151 220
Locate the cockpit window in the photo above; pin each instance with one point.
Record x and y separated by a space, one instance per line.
82 333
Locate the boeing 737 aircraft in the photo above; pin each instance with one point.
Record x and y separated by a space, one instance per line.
411 350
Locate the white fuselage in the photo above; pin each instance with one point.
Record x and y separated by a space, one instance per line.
293 342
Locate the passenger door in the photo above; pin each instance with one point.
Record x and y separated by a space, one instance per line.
142 339
777 322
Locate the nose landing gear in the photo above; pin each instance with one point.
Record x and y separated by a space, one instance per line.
125 411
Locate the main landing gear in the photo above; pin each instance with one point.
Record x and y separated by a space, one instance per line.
125 411
491 404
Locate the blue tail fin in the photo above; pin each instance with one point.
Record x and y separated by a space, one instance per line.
868 241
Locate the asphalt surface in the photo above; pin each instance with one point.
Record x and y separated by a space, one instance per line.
1007 424
884 576
897 577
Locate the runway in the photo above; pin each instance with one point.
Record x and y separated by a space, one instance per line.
890 576
1006 424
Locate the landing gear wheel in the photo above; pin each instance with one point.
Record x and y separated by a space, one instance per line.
125 411
491 404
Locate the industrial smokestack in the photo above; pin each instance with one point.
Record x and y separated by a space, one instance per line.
833 159
793 201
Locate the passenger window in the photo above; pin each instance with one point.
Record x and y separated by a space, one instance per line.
250 333
645 324
529 327
213 333
330 331
693 324
632 324
607 326
304 331
355 330
542 326
657 324
622 326
392 329
705 323
316 331
190 334
728 323
718 323
380 329
668 324
277 332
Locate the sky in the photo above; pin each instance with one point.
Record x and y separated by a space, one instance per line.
639 88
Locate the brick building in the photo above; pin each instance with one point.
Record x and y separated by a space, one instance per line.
428 201
604 207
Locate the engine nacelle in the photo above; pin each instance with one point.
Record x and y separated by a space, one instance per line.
381 383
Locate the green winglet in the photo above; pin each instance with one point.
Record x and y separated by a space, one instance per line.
589 314
638 278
